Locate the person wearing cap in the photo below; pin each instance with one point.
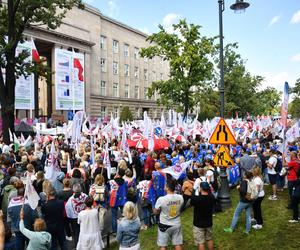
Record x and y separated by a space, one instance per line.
272 162
203 216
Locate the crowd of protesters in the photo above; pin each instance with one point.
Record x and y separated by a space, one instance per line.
74 205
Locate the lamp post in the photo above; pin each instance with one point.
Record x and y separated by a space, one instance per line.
238 6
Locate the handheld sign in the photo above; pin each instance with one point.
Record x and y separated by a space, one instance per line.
222 134
222 157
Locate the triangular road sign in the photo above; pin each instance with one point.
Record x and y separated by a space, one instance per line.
222 134
222 157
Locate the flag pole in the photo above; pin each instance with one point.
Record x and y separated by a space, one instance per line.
73 81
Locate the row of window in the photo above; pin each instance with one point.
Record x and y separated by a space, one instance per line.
115 47
116 110
126 47
127 70
116 91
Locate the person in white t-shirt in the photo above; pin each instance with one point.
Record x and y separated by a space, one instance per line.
271 163
258 180
169 226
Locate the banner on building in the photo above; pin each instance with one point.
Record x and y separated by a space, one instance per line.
24 90
69 80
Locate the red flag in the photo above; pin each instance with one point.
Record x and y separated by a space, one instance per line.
34 52
77 64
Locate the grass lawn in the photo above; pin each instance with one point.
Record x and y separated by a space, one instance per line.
277 232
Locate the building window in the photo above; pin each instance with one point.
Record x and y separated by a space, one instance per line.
126 91
126 50
116 111
103 88
126 70
136 72
115 46
161 76
103 111
136 53
145 74
103 42
115 68
145 93
136 92
116 89
103 64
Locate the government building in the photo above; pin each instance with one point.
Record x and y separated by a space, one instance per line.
111 73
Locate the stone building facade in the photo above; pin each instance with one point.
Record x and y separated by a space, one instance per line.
115 74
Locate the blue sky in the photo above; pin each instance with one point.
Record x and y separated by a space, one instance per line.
268 33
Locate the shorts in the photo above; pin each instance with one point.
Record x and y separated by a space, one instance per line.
201 235
272 178
174 233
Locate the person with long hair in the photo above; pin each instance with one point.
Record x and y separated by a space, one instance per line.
259 183
244 204
129 228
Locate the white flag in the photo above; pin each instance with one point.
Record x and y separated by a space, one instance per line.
177 170
31 195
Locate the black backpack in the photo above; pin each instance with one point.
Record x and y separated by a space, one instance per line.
215 184
278 166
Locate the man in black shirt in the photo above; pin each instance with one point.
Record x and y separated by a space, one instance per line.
53 212
203 214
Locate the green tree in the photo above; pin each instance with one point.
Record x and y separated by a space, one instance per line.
15 17
126 114
191 67
295 104
268 100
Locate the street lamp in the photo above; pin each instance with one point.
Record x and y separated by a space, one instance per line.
238 6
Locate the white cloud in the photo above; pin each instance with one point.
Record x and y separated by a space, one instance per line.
113 9
295 58
274 20
276 80
296 17
169 20
89 1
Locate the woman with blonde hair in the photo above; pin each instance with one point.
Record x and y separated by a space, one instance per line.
129 228
258 180
123 165
39 239
99 193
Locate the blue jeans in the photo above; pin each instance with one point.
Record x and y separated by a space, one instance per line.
114 218
146 215
240 207
266 176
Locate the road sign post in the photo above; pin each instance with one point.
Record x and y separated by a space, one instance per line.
222 135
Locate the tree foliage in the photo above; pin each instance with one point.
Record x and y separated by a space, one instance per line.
126 114
15 17
242 90
191 67
295 104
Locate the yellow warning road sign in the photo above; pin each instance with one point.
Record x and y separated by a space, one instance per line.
222 134
222 157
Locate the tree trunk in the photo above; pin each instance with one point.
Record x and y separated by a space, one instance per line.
186 106
7 115
8 100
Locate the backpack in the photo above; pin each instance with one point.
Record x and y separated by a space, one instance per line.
278 166
99 193
216 183
252 192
